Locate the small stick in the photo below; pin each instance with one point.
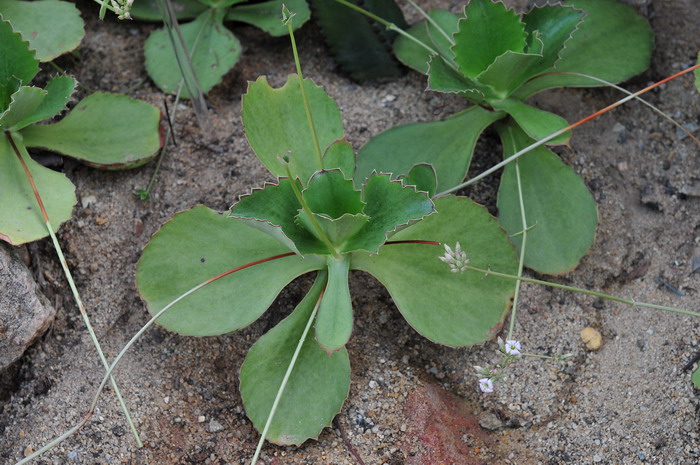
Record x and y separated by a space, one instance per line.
346 441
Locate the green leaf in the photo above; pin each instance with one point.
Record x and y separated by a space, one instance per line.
555 25
488 31
317 387
391 206
423 176
58 92
613 43
21 220
331 194
360 45
448 308
275 123
509 71
51 27
446 145
109 131
442 78
695 378
199 244
217 50
340 155
267 15
147 10
559 209
413 55
334 319
273 210
23 103
17 63
536 123
221 4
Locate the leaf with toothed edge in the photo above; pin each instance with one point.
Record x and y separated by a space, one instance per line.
266 15
340 155
413 55
317 387
18 65
58 93
273 209
361 46
448 308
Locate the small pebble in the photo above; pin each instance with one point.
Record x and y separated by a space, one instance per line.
591 338
373 384
215 427
88 201
201 419
490 422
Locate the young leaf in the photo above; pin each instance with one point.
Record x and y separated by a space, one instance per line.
443 78
199 244
266 15
316 389
361 46
58 92
488 30
275 123
554 26
17 66
559 209
103 130
423 176
51 27
273 210
333 195
413 55
536 123
21 220
334 319
446 145
448 308
510 70
390 207
213 48
612 42
340 155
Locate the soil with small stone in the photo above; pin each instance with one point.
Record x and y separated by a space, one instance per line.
411 401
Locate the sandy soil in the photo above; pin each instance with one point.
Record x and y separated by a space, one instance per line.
630 402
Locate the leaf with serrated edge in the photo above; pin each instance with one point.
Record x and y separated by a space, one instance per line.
334 319
555 25
558 206
487 31
58 92
423 176
217 51
509 71
266 15
197 245
448 308
51 27
317 387
275 123
276 205
447 145
333 195
18 65
109 131
391 206
536 123
21 220
612 42
23 103
442 78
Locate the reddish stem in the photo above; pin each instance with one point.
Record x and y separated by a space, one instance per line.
29 175
247 265
414 241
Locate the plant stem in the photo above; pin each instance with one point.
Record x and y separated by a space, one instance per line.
431 21
307 106
631 302
540 142
73 288
521 260
131 342
390 26
285 379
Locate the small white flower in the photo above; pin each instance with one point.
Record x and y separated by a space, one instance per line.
486 385
512 347
456 258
